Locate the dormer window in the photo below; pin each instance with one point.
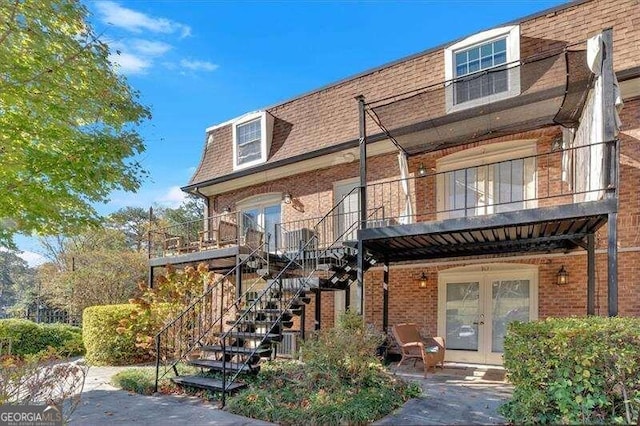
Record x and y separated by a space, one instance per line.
483 68
248 141
251 139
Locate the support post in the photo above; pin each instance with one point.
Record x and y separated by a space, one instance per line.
360 283
149 233
611 171
385 295
591 274
318 317
362 199
150 283
347 298
238 278
303 322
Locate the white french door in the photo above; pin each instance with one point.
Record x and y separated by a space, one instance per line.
347 213
475 305
263 213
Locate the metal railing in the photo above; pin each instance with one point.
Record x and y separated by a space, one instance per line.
278 299
205 317
329 230
541 180
222 230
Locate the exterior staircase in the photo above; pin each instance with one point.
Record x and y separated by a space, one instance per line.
249 328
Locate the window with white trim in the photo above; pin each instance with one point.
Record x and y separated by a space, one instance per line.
251 139
248 140
490 179
483 68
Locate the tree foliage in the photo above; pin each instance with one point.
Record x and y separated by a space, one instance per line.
134 223
67 120
94 268
17 281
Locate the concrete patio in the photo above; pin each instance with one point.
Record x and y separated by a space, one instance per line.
457 394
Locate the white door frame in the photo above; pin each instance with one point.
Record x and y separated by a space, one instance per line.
484 275
340 189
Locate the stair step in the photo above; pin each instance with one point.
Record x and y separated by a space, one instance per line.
214 364
274 311
266 323
208 383
246 335
238 350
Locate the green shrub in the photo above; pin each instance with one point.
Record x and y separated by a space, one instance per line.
28 338
105 345
138 380
340 381
349 349
573 370
142 379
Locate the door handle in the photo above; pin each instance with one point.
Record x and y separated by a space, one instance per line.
478 323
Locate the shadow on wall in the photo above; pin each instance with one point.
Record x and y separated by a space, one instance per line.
281 131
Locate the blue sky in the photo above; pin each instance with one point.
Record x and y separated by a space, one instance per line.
199 63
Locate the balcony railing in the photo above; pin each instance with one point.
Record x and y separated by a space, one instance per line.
219 231
337 227
572 175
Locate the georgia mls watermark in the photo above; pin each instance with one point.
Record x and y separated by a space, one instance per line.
30 415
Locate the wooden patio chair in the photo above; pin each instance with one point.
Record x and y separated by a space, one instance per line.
253 238
412 345
225 234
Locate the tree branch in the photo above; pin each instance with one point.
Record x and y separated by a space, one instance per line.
4 35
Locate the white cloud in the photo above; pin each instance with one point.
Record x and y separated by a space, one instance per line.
173 197
32 258
149 48
195 65
134 21
130 63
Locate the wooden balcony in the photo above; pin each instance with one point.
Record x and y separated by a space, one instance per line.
217 237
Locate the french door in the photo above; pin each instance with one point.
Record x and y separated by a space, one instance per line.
263 216
475 305
347 213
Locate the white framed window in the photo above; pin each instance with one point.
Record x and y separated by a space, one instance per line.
252 134
482 68
490 179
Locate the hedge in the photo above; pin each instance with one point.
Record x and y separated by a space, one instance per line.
573 370
105 346
27 337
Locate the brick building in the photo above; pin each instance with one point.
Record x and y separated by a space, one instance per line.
476 183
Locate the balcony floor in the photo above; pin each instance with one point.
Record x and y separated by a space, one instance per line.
541 230
217 258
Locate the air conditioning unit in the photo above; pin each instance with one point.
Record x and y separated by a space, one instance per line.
294 240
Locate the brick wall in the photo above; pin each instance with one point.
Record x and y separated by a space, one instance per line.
329 116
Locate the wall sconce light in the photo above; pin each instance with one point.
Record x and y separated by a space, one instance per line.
422 282
226 210
556 145
562 277
286 198
422 170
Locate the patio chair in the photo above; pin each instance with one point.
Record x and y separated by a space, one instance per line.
412 345
225 234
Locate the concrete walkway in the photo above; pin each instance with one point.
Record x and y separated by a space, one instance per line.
451 396
103 404
455 395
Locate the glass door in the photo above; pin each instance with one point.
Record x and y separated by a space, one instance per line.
463 311
263 218
347 214
477 303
